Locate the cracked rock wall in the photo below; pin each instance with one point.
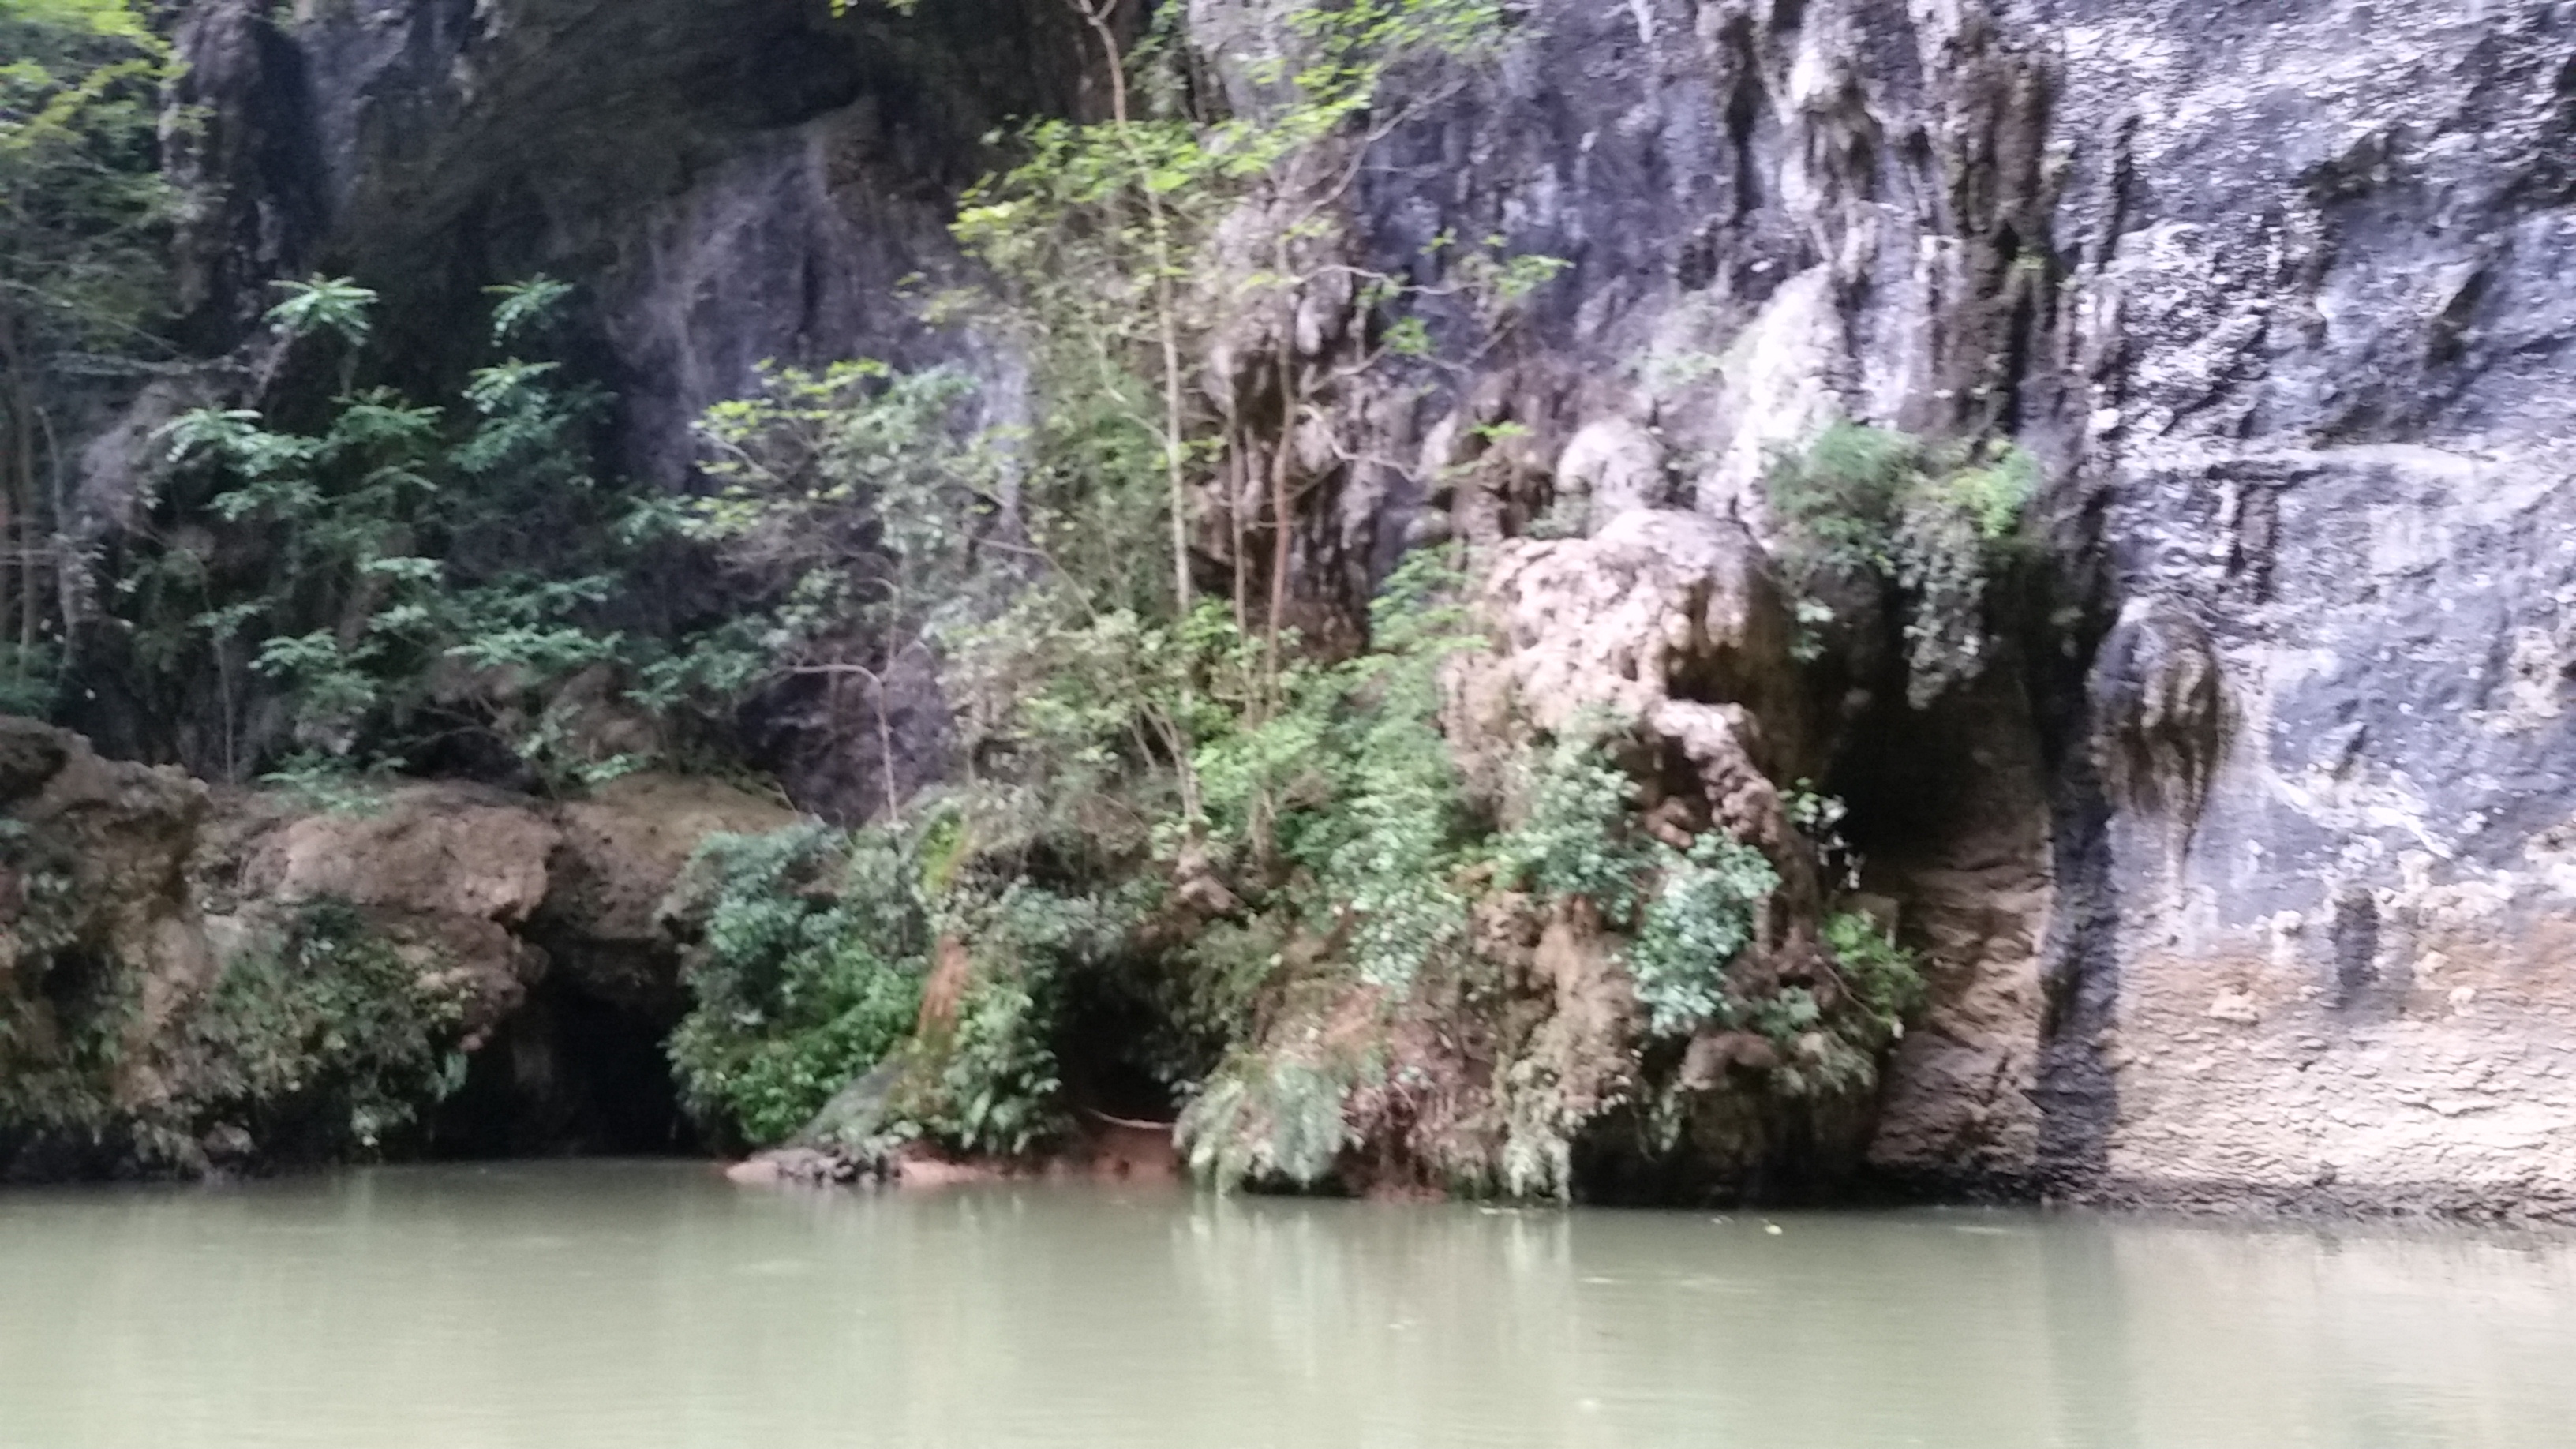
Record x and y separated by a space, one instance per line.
2245 867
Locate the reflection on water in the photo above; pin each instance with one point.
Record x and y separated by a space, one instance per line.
632 1306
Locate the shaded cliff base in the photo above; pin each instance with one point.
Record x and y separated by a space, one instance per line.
197 981
541 984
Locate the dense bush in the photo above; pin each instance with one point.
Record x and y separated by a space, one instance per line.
422 574
811 949
1698 921
1931 518
1579 836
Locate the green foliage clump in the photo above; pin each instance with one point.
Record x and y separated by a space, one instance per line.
1700 919
428 572
84 282
858 498
1580 837
990 1083
996 1085
812 946
1931 518
1391 835
1886 979
1690 913
1276 1121
326 1041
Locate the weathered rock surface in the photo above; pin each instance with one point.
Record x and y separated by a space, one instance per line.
130 893
2237 867
2244 866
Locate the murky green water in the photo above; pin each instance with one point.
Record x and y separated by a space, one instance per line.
615 1306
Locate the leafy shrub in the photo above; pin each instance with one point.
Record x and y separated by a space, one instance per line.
423 572
1267 1121
997 1084
1931 518
811 950
1195 1002
1886 979
85 281
1580 836
1700 918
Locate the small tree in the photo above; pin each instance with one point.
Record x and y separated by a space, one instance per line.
428 571
82 281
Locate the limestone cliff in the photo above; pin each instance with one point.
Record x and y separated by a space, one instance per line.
2244 862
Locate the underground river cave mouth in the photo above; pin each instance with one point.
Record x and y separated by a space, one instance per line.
575 1073
570 1074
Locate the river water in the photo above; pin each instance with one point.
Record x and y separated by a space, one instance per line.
634 1306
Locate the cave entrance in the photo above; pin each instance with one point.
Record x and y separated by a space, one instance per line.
573 1072
1117 1052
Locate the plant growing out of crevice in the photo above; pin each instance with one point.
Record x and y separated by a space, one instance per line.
1931 518
327 1039
1700 918
1690 914
320 1039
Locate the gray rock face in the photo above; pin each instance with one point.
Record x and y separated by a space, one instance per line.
733 183
2241 869
2248 867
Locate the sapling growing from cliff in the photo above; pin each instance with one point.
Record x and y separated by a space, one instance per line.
425 575
1932 518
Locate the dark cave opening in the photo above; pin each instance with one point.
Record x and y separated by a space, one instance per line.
1901 778
571 1073
1117 1053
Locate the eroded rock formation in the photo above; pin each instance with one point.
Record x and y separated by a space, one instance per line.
2244 865
140 909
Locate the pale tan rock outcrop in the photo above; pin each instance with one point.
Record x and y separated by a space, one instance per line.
121 883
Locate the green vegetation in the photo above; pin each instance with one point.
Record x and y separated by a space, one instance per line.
1884 978
1690 912
811 950
1171 793
326 1041
1580 837
1128 744
320 1039
1268 1121
1700 919
1930 518
83 281
425 575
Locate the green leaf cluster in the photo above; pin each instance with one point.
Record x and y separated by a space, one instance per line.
811 949
327 1041
1934 519
406 573
1700 919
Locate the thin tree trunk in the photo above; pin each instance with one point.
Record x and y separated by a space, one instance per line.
1168 337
